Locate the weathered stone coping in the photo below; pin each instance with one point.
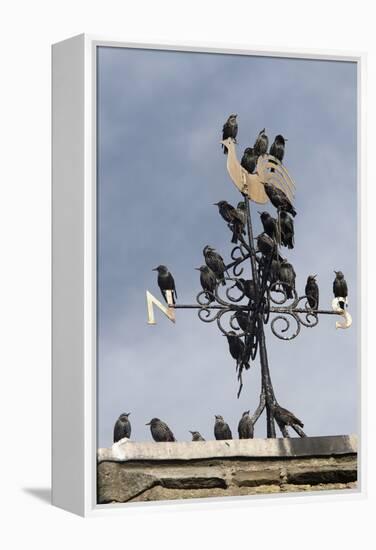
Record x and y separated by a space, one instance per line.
126 450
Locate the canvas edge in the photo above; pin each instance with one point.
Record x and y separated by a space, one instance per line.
91 42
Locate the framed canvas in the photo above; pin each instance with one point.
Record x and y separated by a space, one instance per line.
206 274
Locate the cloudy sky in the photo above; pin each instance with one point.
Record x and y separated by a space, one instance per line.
160 169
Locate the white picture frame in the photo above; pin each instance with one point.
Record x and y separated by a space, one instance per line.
74 445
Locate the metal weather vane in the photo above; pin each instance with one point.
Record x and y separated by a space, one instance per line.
241 307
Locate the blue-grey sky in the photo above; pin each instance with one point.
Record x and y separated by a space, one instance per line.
160 169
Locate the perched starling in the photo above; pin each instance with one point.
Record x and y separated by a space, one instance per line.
273 273
312 292
277 148
239 221
247 286
269 224
230 130
221 429
245 323
160 431
196 436
287 277
287 229
236 347
340 287
226 210
285 417
249 160
278 198
232 217
122 427
215 262
208 281
261 144
265 244
245 426
166 282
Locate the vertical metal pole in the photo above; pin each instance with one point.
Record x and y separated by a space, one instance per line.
265 373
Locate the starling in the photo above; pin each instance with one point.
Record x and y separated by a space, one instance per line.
226 210
287 229
196 436
261 144
278 198
340 287
232 217
221 429
122 427
166 282
236 347
277 148
245 426
285 417
230 130
239 221
247 286
273 273
312 292
269 224
208 281
245 322
287 277
265 244
249 160
160 431
215 262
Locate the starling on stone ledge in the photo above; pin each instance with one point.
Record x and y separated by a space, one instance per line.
245 427
221 429
122 427
196 436
285 417
160 431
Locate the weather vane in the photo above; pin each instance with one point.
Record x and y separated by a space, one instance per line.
241 307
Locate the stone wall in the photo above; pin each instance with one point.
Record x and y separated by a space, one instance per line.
131 472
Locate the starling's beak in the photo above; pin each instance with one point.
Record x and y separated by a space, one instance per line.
148 424
215 204
155 269
285 139
128 414
190 432
198 269
314 276
336 272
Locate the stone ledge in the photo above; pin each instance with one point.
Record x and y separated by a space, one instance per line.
126 450
171 471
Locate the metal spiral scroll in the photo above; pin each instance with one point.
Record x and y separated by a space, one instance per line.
281 324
